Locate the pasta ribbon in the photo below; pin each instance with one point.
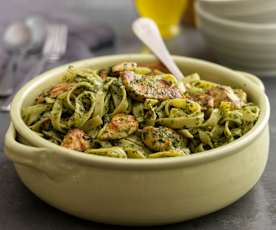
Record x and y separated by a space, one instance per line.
171 153
189 121
116 152
82 114
120 100
32 113
133 111
186 105
56 116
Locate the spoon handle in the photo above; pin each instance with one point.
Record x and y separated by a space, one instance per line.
5 107
7 80
148 32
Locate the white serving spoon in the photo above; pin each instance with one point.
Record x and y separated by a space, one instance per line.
147 31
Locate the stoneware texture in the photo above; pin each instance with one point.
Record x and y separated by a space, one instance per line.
246 46
237 8
139 192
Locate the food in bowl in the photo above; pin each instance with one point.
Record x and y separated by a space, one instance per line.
137 111
96 187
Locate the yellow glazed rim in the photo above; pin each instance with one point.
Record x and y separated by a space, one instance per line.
101 161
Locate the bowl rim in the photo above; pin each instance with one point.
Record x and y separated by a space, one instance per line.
253 42
267 7
102 161
233 24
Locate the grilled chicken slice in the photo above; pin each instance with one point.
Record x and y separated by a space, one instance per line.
157 67
60 88
203 99
40 99
161 138
120 126
123 66
224 93
214 96
142 87
76 139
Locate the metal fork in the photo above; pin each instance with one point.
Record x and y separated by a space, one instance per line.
54 48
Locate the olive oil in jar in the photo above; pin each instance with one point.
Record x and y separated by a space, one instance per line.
166 13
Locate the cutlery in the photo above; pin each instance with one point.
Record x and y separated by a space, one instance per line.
16 38
147 31
21 38
37 26
54 48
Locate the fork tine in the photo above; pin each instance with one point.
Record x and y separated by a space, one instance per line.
63 31
48 41
56 41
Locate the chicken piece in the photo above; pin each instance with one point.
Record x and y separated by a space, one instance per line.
161 138
103 73
203 99
60 88
123 66
40 99
224 93
156 67
214 96
120 126
241 94
142 87
76 139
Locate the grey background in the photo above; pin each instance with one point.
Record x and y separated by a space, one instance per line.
20 209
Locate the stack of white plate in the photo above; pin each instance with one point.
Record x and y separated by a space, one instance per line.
241 33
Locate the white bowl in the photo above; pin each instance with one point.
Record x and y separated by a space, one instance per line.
243 31
268 17
244 46
238 7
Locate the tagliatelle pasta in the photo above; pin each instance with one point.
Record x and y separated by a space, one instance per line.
133 111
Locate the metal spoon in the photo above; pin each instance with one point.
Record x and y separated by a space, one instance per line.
147 31
38 27
21 38
53 49
16 38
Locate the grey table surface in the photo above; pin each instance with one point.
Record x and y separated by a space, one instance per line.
20 209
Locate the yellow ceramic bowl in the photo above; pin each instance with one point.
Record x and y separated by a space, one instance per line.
140 192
